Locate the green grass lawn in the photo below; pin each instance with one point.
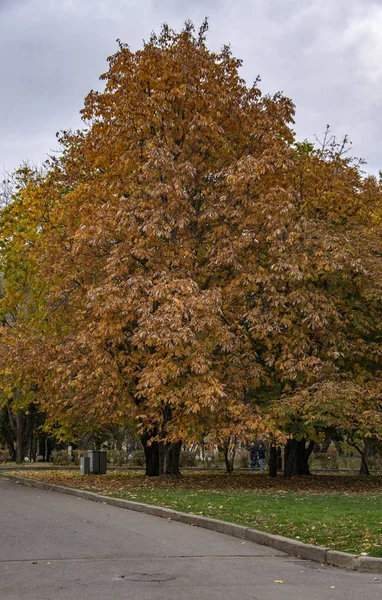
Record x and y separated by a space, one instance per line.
351 524
341 512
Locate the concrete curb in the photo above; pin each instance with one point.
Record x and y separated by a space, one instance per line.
365 564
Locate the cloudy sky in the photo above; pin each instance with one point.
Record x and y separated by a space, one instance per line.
324 54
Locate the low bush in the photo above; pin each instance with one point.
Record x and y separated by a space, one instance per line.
62 458
4 455
374 462
187 458
322 460
76 454
138 458
118 458
243 460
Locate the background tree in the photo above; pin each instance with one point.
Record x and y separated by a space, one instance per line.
323 327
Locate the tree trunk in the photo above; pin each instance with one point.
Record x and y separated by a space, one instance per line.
227 461
32 448
224 451
169 454
272 461
369 452
49 445
151 455
11 448
22 435
162 458
7 433
290 459
364 469
303 453
21 425
43 447
203 450
296 457
229 451
232 458
279 459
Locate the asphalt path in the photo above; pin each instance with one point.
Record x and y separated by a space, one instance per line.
58 547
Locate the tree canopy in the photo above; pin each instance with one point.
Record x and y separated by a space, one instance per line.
187 265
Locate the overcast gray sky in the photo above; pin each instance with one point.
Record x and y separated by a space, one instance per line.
324 54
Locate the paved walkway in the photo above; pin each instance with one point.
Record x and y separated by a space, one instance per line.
56 547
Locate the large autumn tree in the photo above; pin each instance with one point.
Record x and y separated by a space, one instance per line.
194 264
160 210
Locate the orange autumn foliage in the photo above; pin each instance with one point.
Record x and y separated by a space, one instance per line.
190 259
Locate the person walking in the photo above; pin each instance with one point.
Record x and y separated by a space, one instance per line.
261 455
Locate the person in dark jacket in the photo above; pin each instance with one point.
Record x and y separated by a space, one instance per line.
261 455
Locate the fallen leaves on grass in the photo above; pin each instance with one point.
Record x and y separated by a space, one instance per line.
219 482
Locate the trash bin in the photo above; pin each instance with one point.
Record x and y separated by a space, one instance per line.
102 462
84 465
97 462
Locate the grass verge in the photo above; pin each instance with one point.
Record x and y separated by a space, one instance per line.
341 512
